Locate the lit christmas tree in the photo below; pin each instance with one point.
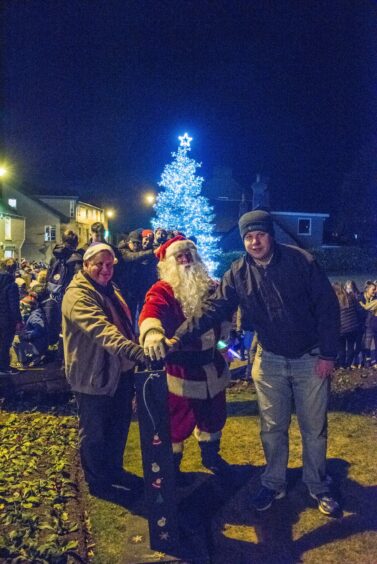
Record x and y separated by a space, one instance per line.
181 206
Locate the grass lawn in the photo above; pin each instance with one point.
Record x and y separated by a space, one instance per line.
47 516
293 530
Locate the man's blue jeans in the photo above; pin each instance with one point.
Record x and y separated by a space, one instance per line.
279 381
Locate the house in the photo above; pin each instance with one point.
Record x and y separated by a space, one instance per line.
230 201
12 232
46 217
303 230
81 215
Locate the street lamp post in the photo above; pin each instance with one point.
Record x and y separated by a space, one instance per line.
110 214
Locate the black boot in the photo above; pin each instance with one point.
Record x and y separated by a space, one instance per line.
211 458
182 479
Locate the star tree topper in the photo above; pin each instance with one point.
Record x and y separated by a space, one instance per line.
185 140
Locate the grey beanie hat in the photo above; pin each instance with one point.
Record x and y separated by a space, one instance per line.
256 220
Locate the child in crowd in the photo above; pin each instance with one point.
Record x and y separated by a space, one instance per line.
32 345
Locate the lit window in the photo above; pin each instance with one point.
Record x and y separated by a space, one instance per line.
8 253
71 208
50 233
7 228
304 226
12 202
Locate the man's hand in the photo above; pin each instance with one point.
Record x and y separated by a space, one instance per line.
172 344
154 345
324 368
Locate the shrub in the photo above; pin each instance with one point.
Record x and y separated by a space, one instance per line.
225 260
334 260
346 260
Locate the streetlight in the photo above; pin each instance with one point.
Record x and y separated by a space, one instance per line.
149 198
110 214
3 171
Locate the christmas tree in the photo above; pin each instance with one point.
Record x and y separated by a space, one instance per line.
180 206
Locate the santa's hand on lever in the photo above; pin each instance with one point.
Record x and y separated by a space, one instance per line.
154 345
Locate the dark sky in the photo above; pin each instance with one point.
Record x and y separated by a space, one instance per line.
97 91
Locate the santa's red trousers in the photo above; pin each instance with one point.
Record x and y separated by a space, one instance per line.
208 415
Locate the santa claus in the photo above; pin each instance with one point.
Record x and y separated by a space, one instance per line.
196 375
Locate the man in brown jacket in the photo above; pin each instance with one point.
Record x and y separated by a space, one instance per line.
100 354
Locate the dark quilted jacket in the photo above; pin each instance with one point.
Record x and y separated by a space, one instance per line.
9 301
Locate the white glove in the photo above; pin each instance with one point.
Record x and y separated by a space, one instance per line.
154 345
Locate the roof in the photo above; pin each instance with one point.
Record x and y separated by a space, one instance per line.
301 214
8 210
68 197
61 216
53 196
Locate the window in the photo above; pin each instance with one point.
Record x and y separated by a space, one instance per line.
8 253
71 208
50 232
304 226
12 202
7 228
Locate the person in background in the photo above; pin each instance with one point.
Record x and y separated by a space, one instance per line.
10 316
41 278
147 238
160 236
368 303
59 272
31 349
100 354
21 284
351 288
139 264
289 302
349 326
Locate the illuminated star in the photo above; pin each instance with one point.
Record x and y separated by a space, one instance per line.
136 539
185 140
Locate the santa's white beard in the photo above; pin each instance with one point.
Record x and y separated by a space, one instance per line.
191 284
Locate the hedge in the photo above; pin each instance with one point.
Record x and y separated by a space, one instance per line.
334 260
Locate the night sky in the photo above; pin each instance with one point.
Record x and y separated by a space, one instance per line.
97 91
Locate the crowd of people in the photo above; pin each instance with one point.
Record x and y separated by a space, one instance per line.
151 298
358 324
31 292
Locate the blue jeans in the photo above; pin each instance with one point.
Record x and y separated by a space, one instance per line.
279 381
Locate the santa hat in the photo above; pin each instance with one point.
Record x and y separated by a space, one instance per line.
146 232
96 248
174 246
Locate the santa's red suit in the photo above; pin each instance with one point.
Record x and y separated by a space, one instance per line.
196 375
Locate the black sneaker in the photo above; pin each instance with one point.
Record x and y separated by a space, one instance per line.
327 504
265 498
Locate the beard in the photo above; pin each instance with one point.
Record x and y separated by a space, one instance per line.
191 283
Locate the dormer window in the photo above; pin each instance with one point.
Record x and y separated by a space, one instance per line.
12 202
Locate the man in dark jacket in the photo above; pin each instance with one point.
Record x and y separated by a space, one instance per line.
10 316
286 298
61 269
140 268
